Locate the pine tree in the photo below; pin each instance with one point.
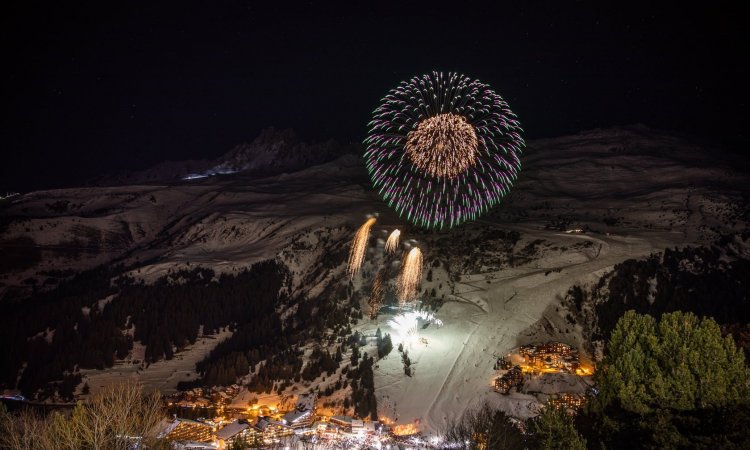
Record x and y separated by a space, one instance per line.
554 429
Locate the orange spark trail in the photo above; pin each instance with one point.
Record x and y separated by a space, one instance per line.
359 246
411 276
392 243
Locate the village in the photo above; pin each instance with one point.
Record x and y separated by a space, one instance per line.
269 425
552 371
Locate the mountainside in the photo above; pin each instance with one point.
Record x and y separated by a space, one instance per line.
272 152
582 205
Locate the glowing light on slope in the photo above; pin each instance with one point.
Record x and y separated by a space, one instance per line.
392 243
406 325
411 276
359 246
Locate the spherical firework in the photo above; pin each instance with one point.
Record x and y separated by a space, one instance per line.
443 149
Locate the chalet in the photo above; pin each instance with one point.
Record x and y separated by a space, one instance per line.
512 378
187 430
303 413
238 430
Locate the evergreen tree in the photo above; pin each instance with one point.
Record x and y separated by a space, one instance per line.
668 384
554 429
680 363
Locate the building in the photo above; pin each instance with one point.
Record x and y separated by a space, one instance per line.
567 401
237 431
342 421
550 357
190 445
271 429
358 427
512 378
303 413
187 430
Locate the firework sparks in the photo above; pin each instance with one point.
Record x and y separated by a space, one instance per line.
443 149
406 325
411 276
376 295
443 146
359 246
392 243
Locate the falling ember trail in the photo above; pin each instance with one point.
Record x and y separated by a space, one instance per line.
392 243
376 296
359 246
411 276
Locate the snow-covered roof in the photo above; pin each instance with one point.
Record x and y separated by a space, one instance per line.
306 402
264 422
342 419
231 430
295 416
192 445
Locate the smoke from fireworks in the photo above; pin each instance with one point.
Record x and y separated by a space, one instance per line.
392 243
411 276
359 246
443 149
376 295
406 325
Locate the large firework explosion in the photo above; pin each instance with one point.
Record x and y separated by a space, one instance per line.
359 246
442 149
411 276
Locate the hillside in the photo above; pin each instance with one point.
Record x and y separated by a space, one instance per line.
582 205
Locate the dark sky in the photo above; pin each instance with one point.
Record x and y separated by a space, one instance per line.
123 85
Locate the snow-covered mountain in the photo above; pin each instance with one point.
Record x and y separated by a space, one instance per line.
272 152
582 204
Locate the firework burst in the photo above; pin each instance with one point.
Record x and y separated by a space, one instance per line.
406 325
411 276
443 149
392 243
359 246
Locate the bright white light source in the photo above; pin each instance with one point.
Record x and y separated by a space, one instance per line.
406 325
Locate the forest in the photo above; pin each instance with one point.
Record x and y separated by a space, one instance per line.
711 281
93 318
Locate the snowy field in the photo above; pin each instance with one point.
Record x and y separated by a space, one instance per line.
633 190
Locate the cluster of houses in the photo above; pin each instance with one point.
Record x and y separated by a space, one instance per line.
204 397
567 401
550 357
513 378
301 420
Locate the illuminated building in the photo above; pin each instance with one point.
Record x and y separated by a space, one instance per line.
512 378
567 401
188 430
303 413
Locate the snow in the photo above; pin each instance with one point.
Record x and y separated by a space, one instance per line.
161 376
632 190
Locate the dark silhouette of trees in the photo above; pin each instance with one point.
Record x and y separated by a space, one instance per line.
483 428
672 383
83 323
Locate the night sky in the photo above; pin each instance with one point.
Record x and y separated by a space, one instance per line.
89 89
